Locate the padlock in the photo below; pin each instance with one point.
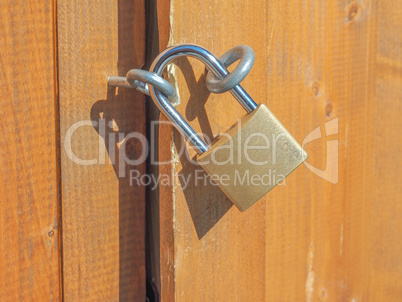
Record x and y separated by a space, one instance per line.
250 158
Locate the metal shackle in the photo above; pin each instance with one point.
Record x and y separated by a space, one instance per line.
139 79
215 66
242 52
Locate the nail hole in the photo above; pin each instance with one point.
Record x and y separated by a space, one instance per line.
328 109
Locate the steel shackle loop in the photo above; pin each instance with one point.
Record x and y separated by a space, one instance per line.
215 66
246 56
139 79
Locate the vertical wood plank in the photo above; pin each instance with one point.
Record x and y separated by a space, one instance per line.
333 67
29 228
166 284
103 212
384 225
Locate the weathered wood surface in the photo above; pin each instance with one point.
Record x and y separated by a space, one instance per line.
309 240
103 214
29 228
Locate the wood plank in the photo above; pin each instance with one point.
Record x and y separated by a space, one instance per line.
29 228
166 281
384 226
103 214
332 66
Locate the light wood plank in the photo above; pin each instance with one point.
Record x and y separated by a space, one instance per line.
103 214
308 240
29 228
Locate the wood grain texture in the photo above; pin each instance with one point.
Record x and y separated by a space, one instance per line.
103 213
166 280
29 228
333 66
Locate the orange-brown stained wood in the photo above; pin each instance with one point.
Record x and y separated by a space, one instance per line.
331 66
103 213
166 287
29 228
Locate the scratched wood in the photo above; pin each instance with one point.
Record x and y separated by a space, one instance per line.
103 213
29 228
332 231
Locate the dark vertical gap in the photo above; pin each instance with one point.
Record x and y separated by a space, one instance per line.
152 196
58 145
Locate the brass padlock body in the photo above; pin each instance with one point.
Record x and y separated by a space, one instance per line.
252 157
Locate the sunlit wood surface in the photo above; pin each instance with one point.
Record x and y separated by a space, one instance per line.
308 240
29 227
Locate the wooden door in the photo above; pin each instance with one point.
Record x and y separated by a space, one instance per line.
73 225
327 66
